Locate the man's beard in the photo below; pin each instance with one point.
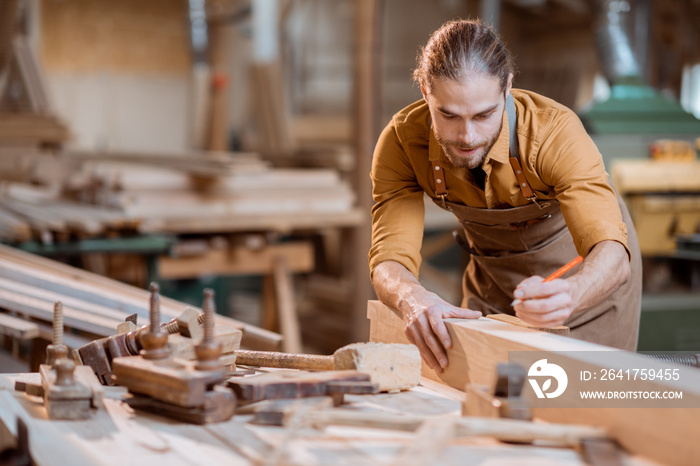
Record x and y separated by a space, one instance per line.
466 161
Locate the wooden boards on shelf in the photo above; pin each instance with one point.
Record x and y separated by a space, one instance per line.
65 195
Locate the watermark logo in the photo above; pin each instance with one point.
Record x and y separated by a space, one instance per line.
543 370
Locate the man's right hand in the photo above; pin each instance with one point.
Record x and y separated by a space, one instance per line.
423 315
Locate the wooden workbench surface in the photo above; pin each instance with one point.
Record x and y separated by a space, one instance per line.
120 436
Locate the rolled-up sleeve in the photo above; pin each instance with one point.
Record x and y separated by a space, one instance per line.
398 212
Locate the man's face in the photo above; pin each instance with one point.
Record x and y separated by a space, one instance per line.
467 116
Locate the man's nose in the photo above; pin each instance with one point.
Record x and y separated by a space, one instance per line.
468 134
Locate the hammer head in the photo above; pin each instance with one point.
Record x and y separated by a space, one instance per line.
392 366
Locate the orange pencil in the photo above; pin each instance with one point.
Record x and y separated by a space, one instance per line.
560 271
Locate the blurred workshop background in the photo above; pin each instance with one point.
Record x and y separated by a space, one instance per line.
227 143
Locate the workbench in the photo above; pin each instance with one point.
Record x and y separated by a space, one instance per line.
119 435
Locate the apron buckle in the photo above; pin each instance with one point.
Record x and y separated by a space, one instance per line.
442 198
543 205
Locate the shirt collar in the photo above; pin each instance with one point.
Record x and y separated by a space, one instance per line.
499 151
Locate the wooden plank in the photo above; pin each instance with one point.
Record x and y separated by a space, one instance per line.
60 278
12 227
272 114
71 284
16 327
190 204
286 306
23 128
659 219
367 125
38 216
665 435
214 164
51 297
31 75
42 309
92 219
282 223
326 128
644 176
239 260
35 270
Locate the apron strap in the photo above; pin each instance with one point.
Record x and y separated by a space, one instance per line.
439 178
514 149
514 159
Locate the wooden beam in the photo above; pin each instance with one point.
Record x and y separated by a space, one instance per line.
239 260
367 126
665 435
16 327
42 309
286 306
645 176
59 279
231 223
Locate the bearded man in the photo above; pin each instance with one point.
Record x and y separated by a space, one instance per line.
529 188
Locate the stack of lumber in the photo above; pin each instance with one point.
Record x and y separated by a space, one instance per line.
93 305
212 164
256 190
30 213
88 194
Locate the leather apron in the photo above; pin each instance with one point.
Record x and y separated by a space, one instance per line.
509 245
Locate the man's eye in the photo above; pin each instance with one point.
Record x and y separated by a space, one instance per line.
448 117
483 117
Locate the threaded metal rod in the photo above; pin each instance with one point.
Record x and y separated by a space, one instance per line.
173 327
208 308
154 309
58 323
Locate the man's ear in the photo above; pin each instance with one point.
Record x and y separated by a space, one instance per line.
424 92
509 86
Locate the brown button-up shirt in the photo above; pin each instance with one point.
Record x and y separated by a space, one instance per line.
559 160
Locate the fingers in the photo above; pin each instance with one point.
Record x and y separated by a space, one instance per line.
548 312
426 329
535 287
552 319
427 345
519 291
440 330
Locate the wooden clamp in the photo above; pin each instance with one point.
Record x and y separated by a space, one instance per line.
176 387
502 399
99 354
69 391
